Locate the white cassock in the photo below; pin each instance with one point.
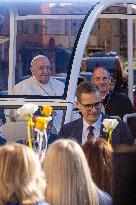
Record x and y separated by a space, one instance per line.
32 87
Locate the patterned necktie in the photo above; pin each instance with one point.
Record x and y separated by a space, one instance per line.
90 134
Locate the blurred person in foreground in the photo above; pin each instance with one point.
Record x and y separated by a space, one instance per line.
22 181
91 124
68 176
99 155
40 83
115 104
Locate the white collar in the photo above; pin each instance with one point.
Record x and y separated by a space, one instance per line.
104 96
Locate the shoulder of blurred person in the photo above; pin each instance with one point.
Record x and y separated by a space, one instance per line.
2 140
20 172
125 174
42 203
67 171
103 197
38 203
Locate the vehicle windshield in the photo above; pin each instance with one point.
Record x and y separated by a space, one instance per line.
48 29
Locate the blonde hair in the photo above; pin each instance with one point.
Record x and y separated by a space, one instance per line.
21 178
68 176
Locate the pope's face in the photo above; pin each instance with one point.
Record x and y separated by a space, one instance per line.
41 70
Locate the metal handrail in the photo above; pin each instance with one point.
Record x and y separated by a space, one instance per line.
125 118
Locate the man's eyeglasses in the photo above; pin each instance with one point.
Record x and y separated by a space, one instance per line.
90 106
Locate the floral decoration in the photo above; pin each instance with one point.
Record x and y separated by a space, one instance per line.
27 111
109 126
46 110
39 124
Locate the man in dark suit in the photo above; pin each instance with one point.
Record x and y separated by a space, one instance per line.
115 104
89 104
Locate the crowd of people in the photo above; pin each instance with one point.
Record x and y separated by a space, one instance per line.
79 166
68 174
63 177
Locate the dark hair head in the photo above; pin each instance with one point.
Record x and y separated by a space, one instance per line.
99 156
85 87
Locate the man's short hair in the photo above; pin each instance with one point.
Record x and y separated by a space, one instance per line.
36 57
85 87
103 67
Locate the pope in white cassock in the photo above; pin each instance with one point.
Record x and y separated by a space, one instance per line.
40 83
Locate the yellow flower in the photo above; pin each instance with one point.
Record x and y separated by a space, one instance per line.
41 123
46 110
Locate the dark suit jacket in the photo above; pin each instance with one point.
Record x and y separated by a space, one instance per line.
117 104
120 135
52 138
2 141
2 116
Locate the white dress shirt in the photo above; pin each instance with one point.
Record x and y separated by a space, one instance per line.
96 130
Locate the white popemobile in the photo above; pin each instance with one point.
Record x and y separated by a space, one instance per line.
87 14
